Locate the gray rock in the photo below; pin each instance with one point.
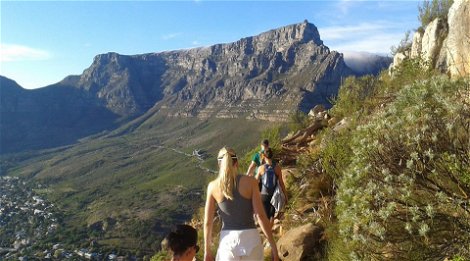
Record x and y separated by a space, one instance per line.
300 243
457 47
265 77
416 44
433 38
252 78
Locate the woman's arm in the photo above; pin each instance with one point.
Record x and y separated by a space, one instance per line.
263 219
251 168
260 172
278 171
208 223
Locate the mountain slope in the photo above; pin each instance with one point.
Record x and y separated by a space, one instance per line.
48 117
267 77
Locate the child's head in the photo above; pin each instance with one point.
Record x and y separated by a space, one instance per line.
182 241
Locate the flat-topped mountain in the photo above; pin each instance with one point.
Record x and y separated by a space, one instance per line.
266 77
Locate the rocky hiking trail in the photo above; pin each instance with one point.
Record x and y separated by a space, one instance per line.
190 156
299 230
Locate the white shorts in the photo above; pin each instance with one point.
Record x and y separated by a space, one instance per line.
240 245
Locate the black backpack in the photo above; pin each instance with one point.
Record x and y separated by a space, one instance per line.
269 179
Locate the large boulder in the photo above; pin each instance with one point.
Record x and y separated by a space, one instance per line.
444 45
458 39
397 60
416 44
301 243
432 40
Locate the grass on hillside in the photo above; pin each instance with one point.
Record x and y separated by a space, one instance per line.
131 188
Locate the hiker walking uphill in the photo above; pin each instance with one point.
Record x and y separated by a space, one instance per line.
238 198
270 176
257 160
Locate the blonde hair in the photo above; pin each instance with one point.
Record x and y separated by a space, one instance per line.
227 171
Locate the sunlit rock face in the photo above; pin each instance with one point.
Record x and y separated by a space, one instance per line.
444 45
457 47
261 77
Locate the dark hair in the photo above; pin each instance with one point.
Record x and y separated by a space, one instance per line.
265 142
268 153
181 238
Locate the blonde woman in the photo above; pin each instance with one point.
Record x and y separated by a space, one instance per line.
238 198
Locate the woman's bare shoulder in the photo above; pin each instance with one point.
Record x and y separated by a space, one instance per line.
247 180
212 185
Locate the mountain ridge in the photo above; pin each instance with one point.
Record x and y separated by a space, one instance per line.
264 77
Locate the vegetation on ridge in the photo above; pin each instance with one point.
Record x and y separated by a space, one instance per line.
401 169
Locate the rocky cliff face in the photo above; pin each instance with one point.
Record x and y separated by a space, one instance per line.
266 77
444 45
457 45
263 77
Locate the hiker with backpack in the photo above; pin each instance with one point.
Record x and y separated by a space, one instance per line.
236 198
270 176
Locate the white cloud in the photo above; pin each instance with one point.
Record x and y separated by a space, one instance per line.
380 43
170 36
350 31
375 37
15 52
195 43
344 6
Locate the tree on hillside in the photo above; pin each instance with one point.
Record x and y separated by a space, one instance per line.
404 45
430 10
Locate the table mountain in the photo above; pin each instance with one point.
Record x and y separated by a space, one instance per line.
266 77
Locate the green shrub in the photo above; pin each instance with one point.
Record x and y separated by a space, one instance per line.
161 256
405 193
298 120
337 153
404 45
430 10
353 95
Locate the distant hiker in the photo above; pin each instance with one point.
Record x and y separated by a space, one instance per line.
238 198
182 242
257 159
270 176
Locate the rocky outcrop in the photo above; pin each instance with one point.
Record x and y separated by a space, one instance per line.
416 45
249 78
444 44
457 46
301 243
266 77
432 40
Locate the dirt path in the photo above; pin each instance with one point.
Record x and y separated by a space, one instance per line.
200 161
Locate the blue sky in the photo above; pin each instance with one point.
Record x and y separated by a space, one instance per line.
44 41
